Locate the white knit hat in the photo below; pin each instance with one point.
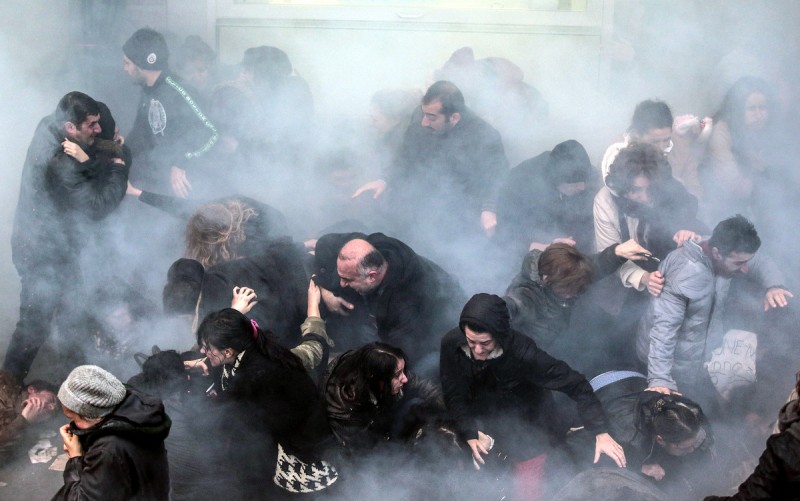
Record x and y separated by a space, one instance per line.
91 392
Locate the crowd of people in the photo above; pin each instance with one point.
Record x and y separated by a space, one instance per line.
434 324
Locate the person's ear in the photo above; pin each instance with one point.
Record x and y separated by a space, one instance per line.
31 390
70 128
372 274
715 253
545 278
660 441
455 118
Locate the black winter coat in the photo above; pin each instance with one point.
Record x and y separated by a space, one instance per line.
777 476
124 456
416 302
504 396
170 129
279 279
530 207
36 238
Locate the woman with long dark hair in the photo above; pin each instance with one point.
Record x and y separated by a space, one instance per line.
741 148
369 393
273 415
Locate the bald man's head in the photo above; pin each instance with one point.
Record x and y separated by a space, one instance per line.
360 266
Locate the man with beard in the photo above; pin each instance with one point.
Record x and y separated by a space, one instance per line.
446 175
66 188
673 335
170 132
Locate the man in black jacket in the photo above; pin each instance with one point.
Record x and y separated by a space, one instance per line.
66 188
497 386
410 299
115 439
170 131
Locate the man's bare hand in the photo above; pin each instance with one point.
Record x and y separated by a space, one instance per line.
604 444
335 304
488 222
631 250
378 187
72 446
75 151
36 409
198 365
244 298
480 447
132 190
776 297
662 389
180 183
655 283
681 236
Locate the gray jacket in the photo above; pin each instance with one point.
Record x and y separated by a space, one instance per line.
673 335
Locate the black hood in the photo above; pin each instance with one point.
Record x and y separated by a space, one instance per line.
139 418
488 313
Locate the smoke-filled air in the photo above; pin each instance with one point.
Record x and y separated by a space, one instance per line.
400 250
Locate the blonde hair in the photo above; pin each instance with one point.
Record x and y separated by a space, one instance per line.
215 232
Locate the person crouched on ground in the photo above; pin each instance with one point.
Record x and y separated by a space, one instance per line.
21 407
497 383
666 437
115 439
370 393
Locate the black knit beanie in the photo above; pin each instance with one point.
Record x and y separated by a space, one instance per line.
147 49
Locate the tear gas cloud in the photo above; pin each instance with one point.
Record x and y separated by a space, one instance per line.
684 53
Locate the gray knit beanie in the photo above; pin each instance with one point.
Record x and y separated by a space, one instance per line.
91 392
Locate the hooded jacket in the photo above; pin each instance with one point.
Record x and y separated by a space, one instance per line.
502 395
124 457
777 476
414 304
531 208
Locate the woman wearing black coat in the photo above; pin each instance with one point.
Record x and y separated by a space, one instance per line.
272 413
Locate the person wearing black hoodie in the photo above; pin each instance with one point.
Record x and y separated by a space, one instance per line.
497 386
546 197
115 440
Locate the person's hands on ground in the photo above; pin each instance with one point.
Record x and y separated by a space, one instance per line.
604 444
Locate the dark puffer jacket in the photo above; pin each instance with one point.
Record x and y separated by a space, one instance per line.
505 394
124 456
535 310
777 476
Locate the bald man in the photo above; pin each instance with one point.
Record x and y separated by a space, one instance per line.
379 279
